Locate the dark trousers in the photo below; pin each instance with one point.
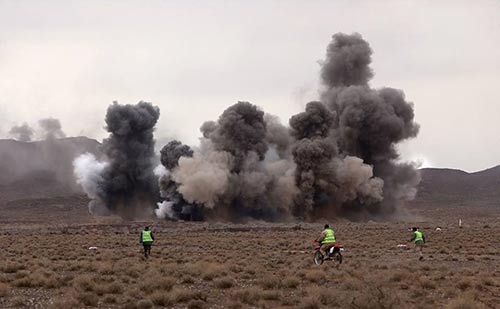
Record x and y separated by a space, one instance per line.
147 249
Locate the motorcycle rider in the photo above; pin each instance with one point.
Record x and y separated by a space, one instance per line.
326 239
419 240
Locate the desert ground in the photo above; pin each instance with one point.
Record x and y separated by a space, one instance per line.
45 262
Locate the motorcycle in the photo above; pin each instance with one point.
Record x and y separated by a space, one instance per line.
333 253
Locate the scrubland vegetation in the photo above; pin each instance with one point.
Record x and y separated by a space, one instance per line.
202 265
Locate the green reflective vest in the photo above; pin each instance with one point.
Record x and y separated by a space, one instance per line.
418 236
146 236
329 237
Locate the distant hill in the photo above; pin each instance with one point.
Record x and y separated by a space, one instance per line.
41 168
451 185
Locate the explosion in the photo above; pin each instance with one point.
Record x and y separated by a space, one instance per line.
337 158
125 184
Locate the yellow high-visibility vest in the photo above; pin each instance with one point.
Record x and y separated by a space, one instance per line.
146 236
329 237
418 236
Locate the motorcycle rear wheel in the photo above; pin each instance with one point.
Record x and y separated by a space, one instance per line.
318 258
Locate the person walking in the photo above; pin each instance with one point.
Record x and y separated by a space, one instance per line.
146 239
419 240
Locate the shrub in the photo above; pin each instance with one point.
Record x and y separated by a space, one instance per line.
248 296
465 301
196 304
269 282
464 284
188 279
88 299
180 295
290 282
11 268
64 303
427 284
110 299
114 288
224 283
310 303
316 276
271 295
4 289
84 283
145 304
211 271
160 298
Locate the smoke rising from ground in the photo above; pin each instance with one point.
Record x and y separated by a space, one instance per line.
51 128
88 172
126 183
239 169
369 122
169 158
337 158
22 133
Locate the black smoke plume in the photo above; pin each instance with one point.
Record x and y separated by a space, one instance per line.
174 206
125 184
369 122
336 158
171 153
22 133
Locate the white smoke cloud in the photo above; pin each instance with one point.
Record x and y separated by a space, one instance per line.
88 171
160 171
165 210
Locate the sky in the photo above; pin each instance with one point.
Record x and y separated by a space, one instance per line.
193 59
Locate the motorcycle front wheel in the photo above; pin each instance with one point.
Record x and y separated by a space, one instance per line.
318 258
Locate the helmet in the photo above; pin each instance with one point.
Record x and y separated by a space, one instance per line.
327 226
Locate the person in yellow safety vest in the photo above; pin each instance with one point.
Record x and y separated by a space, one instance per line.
146 239
419 240
327 239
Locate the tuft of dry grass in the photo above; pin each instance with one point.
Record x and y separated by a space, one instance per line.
316 276
4 289
145 304
65 302
290 282
464 284
465 301
269 282
197 304
224 283
88 299
248 296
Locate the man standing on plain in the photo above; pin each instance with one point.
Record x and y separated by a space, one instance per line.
146 239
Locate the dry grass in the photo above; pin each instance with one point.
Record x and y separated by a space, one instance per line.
4 289
51 267
465 301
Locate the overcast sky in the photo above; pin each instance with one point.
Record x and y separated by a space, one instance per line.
71 59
